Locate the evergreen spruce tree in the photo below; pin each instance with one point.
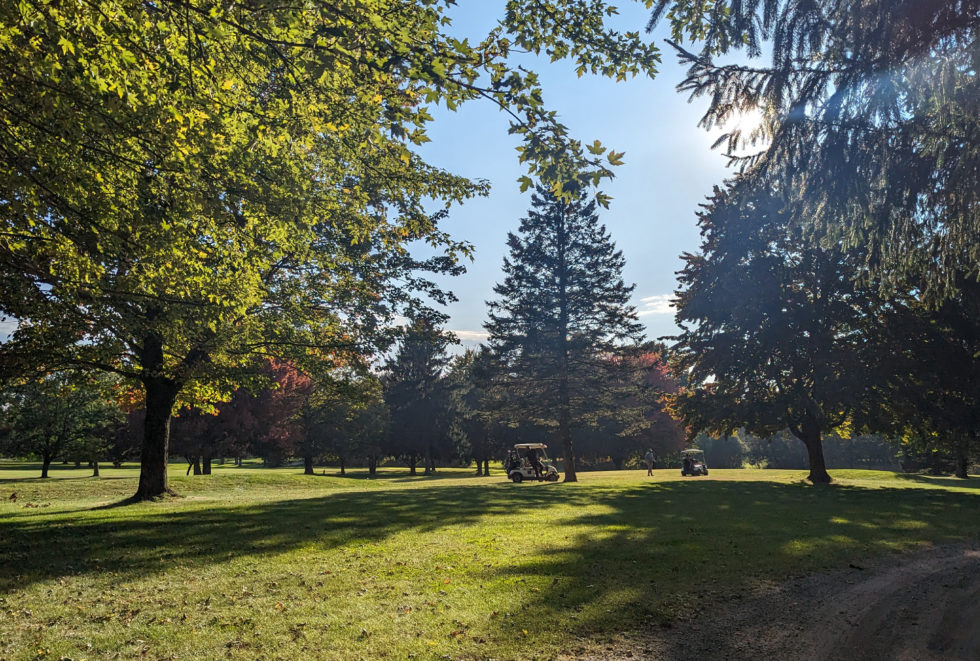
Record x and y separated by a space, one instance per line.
417 396
561 323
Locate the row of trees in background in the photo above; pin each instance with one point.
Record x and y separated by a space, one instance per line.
424 408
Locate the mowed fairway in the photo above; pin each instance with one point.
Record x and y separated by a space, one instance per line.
259 563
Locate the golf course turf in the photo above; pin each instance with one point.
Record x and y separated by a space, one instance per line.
267 563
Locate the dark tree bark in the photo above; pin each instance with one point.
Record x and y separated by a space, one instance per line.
564 401
206 465
412 460
161 394
486 467
197 465
372 465
809 432
308 464
479 468
343 465
962 460
95 469
45 464
565 432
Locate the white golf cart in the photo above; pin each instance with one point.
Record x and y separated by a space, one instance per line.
693 463
521 463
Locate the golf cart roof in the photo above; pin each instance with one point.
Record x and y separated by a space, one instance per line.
692 451
529 446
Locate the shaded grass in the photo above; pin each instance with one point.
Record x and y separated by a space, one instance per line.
255 563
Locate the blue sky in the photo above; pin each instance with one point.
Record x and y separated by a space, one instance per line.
669 169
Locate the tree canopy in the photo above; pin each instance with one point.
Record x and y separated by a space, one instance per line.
777 333
191 185
872 120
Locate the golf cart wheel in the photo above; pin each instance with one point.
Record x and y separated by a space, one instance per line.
552 477
517 477
683 473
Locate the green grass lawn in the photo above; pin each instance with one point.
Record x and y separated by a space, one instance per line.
258 563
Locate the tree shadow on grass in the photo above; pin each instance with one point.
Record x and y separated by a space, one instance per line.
671 548
403 476
137 541
645 554
941 481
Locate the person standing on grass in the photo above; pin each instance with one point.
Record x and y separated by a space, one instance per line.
650 461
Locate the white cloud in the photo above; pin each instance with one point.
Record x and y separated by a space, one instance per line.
470 335
659 304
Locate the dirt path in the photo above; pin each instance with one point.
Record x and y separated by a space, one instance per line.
920 607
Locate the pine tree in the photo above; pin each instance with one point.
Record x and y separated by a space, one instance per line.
562 317
416 395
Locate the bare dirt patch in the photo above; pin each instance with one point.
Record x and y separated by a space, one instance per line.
922 606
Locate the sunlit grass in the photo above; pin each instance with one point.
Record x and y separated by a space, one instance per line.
254 562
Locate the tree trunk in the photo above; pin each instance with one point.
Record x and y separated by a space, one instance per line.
45 464
411 464
238 462
308 464
161 394
197 465
206 466
564 399
486 468
78 464
961 457
221 461
565 434
343 472
372 465
809 433
479 468
95 469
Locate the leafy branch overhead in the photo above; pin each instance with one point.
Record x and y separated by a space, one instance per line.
191 184
871 119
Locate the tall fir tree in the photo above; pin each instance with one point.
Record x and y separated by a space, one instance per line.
562 317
